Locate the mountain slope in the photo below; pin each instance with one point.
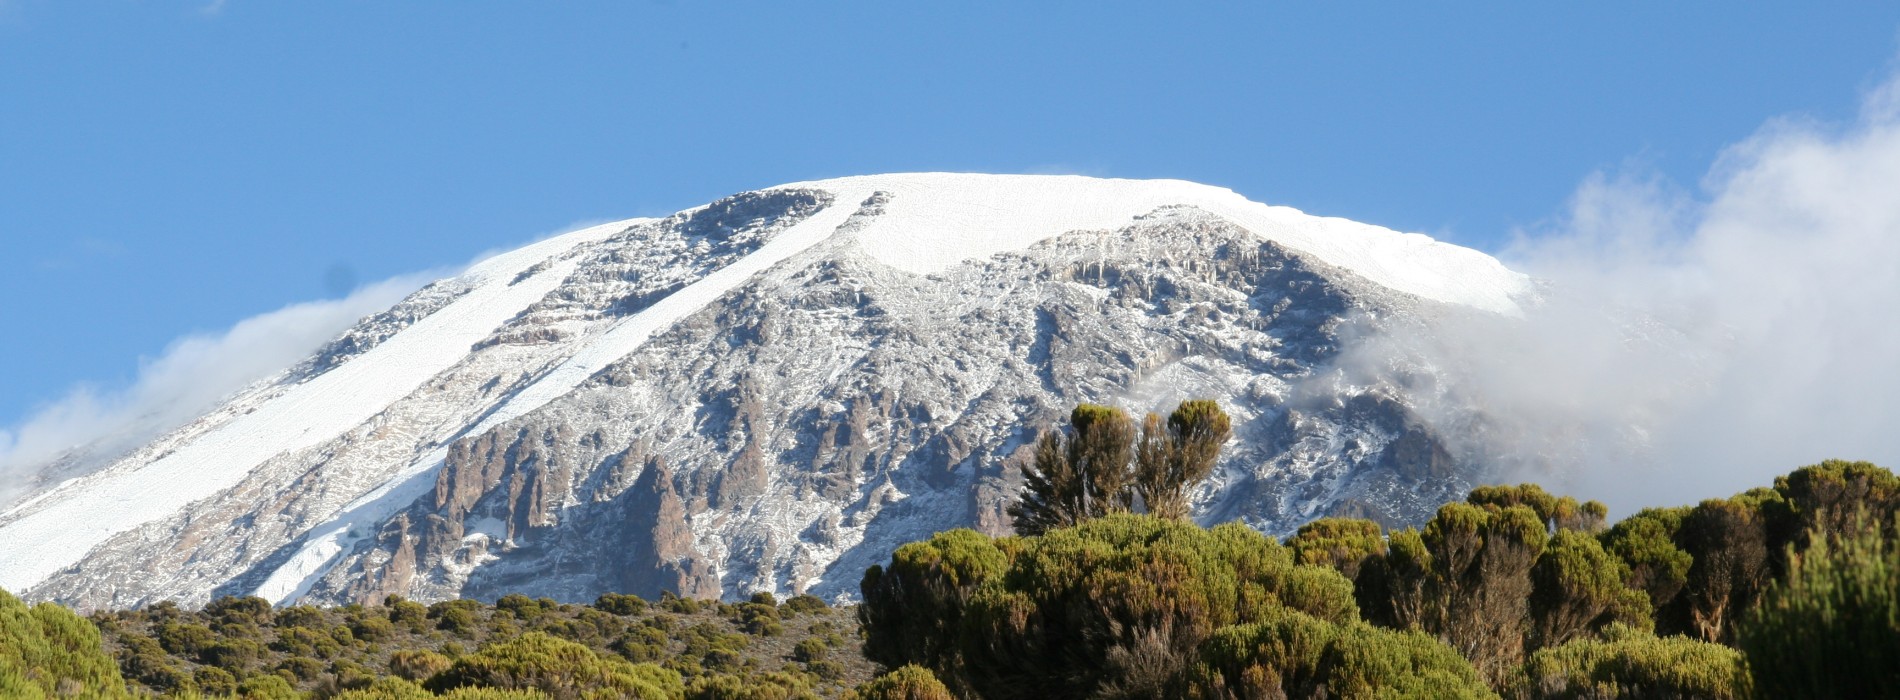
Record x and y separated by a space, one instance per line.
771 392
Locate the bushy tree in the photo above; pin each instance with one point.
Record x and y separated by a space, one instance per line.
1099 466
1341 543
1645 542
1489 578
1628 663
1178 453
1832 629
1117 604
1557 512
1466 580
1834 498
1577 588
1728 543
1294 655
560 668
47 651
1077 475
909 682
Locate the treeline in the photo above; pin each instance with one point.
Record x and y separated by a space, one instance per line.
1782 591
518 648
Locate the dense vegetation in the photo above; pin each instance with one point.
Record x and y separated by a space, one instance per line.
620 646
1792 590
1784 591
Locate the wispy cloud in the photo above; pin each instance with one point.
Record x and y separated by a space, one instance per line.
1695 342
191 375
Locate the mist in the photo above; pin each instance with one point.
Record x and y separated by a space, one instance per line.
189 377
1689 343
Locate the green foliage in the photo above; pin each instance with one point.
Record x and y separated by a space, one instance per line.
558 667
804 604
1631 663
212 680
759 618
1577 589
399 689
1174 456
47 651
1557 512
1832 629
1097 467
1291 654
620 604
417 664
267 687
1834 498
908 682
1729 546
1119 602
1340 543
1465 580
768 686
456 616
1079 475
1645 542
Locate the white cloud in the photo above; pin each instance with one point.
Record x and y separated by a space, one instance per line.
191 375
1694 344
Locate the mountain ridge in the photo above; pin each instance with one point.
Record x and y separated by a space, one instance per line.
378 417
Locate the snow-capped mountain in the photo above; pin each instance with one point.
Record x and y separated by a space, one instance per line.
773 391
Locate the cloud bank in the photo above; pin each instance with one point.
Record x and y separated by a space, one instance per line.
1690 344
190 377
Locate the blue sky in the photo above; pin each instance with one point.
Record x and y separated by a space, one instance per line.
169 168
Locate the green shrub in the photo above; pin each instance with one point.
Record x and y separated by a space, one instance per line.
558 667
1556 512
234 655
803 604
1832 629
769 686
1465 579
1291 654
1645 542
267 687
303 667
304 641
1118 602
212 680
372 628
809 650
675 604
759 618
910 682
417 664
185 639
47 651
1340 543
299 616
619 604
1631 663
1577 588
407 613
246 611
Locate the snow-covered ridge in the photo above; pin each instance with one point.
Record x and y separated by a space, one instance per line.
935 220
52 531
483 331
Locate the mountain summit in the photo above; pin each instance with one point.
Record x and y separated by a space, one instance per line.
771 392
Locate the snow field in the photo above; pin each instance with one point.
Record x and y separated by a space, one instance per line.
65 525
